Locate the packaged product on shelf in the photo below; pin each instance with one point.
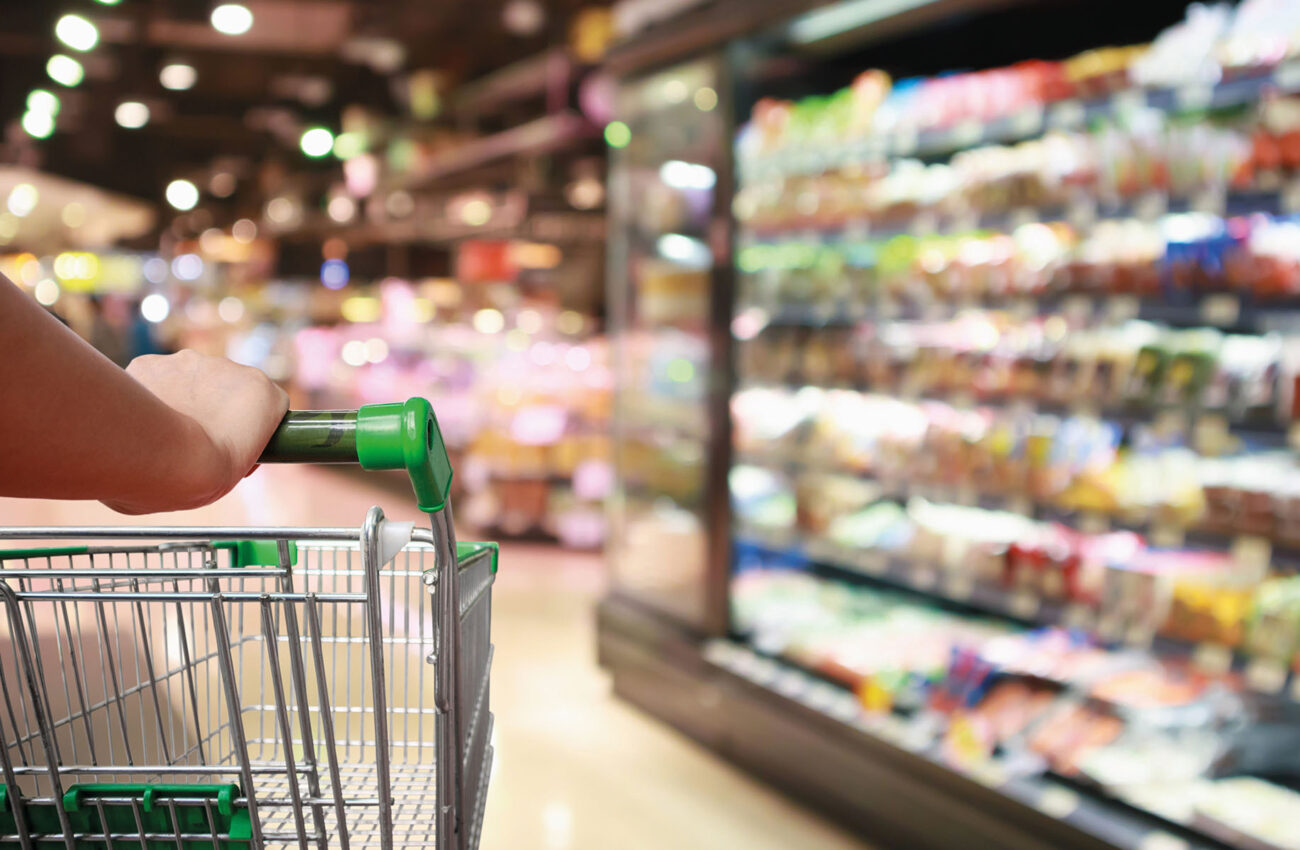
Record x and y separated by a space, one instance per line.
1245 808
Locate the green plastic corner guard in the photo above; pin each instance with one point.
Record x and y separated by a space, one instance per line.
88 818
256 553
406 436
468 549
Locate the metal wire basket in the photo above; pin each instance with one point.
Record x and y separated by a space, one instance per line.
195 688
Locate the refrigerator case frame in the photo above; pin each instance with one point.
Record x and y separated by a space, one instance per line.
712 618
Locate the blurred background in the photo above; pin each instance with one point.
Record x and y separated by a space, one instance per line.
888 407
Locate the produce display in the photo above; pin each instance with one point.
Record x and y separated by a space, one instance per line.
1017 409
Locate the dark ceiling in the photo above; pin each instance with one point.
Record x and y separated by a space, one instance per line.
296 50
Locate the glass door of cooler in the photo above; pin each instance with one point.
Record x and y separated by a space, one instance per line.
669 261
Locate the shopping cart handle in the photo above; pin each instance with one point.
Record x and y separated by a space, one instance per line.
403 435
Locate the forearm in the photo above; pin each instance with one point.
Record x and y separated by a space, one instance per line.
75 426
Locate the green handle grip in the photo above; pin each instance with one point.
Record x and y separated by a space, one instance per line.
403 435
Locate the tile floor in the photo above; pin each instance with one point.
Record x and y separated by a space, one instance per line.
576 769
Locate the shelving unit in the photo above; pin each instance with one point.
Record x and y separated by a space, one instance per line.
810 282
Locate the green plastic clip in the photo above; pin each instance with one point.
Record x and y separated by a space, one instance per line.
406 436
98 809
256 553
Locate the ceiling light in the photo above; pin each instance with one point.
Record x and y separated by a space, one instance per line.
705 99
155 307
281 210
342 208
821 24
47 292
317 142
187 267
617 134
232 19
131 114
177 76
23 199
38 125
65 70
399 204
244 231
476 212
182 194
110 2
334 274
76 32
687 175
222 184
348 145
41 100
523 17
230 309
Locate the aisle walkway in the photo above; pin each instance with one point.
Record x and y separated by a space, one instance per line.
576 769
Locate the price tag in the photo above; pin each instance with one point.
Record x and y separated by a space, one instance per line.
1121 308
967 495
1293 435
1287 76
1021 216
1220 309
1150 206
1082 212
1128 101
925 224
1066 115
1213 200
1057 802
1077 307
1160 840
1109 628
959 585
1092 522
1211 436
967 133
791 683
1077 616
1139 636
857 229
1167 535
988 773
1266 676
1027 121
1024 604
1290 198
925 578
871 562
904 141
965 220
1194 97
1213 658
1020 504
1252 554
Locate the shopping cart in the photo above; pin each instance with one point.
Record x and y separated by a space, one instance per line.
223 688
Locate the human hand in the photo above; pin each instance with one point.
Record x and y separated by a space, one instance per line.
228 414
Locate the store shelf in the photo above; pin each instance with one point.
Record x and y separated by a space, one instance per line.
1084 209
1285 557
1031 122
955 590
1230 312
1258 433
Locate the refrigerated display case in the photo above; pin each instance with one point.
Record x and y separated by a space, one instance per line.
1009 536
668 270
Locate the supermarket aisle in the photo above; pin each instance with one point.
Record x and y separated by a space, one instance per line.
576 770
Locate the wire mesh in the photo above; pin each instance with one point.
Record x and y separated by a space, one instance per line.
168 664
